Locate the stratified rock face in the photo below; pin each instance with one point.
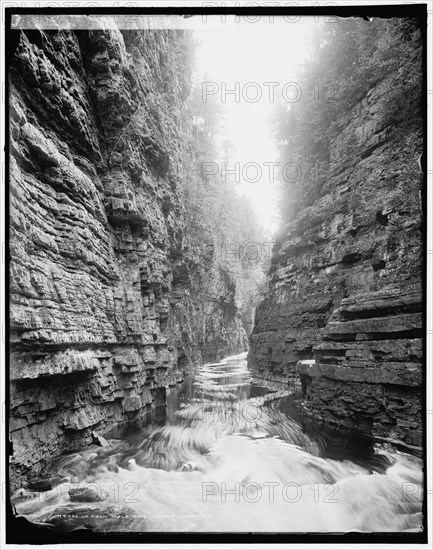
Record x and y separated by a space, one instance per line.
346 283
102 311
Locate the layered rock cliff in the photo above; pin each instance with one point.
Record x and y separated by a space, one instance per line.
108 305
345 293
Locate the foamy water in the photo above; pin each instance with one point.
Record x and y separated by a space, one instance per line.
227 456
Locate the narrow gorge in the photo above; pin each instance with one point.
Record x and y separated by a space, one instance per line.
182 328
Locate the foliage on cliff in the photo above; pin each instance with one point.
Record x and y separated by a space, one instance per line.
222 226
348 58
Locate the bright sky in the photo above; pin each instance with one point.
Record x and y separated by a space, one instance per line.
258 53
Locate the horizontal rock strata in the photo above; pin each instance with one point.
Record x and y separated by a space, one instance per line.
345 293
103 309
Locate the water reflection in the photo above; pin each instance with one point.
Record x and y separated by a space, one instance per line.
230 453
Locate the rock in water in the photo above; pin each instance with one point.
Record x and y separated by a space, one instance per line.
99 440
43 484
87 494
40 485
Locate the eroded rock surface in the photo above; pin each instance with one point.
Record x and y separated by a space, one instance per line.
104 307
345 294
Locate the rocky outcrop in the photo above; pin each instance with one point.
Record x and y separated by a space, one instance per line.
105 308
345 294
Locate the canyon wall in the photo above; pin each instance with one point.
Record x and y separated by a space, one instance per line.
344 306
108 305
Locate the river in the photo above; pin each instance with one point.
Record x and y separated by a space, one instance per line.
230 453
